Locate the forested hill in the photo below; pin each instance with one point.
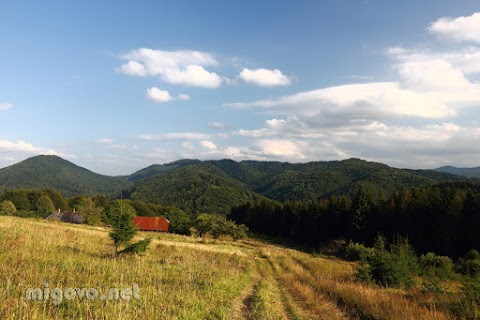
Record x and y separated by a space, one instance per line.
303 181
218 185
195 188
59 174
466 172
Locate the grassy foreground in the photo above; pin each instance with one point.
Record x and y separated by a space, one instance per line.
181 278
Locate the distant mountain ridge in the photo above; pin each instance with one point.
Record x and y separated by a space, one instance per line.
466 172
216 185
53 172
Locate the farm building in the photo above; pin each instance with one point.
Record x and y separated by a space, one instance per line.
151 223
66 216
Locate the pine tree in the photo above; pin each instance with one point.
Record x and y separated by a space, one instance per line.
121 216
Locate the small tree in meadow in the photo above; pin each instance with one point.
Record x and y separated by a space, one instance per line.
121 217
121 214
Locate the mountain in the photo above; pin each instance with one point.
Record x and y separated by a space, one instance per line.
216 185
466 172
194 188
301 181
59 174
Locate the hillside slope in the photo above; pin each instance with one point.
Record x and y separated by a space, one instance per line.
59 174
194 188
190 278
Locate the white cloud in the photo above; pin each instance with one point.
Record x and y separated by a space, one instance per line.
458 29
264 77
283 148
183 67
208 145
183 97
28 148
467 59
105 140
5 106
376 100
193 75
132 68
175 136
156 95
216 125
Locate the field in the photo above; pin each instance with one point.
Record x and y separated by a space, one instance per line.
182 278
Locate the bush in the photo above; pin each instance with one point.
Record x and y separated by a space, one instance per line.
436 266
216 225
356 251
137 247
470 264
180 221
396 268
7 208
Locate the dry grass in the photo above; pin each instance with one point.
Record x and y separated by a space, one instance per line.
176 282
184 278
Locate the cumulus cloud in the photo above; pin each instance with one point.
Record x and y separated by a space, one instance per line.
208 145
458 29
22 147
5 106
175 136
157 95
283 148
133 68
264 77
376 100
183 67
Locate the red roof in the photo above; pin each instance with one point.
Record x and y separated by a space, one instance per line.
151 223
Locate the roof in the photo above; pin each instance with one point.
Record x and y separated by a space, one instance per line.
71 217
151 223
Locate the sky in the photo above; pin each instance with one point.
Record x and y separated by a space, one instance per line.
115 86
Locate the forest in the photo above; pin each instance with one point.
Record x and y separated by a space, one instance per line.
443 219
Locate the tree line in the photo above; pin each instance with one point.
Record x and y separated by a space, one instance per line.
443 219
100 211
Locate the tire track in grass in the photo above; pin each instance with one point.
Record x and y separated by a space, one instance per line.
241 305
267 302
306 301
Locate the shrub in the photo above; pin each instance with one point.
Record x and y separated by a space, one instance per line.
356 251
7 208
394 268
137 247
216 225
436 266
470 264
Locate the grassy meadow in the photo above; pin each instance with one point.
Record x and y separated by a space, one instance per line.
184 277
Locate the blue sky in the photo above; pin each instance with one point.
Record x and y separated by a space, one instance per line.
115 86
